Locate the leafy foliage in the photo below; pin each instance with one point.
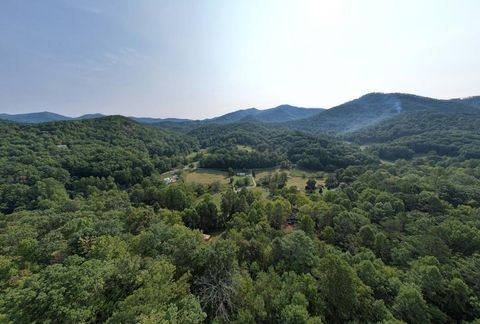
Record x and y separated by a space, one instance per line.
90 232
271 147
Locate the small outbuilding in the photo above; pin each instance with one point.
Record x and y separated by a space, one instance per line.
170 180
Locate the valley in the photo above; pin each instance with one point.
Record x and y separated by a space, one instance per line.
239 162
239 220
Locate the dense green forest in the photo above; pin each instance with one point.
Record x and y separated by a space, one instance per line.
272 146
91 232
441 133
374 108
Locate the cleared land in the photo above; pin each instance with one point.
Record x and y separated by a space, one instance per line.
169 173
207 176
300 182
245 148
216 198
296 177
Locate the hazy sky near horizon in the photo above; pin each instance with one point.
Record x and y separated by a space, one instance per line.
197 59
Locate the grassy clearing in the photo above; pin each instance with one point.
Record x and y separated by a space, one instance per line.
306 174
193 155
387 162
207 177
299 178
300 182
217 199
296 177
260 173
245 148
168 173
247 179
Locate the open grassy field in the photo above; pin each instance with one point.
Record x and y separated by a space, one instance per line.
207 176
299 178
245 148
300 182
296 177
217 198
260 173
168 173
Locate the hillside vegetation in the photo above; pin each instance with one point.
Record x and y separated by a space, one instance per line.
91 231
273 147
373 108
446 134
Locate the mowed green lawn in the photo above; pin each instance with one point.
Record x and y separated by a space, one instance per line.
207 176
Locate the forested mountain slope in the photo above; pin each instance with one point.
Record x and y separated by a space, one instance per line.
90 231
447 133
375 107
267 146
474 101
111 146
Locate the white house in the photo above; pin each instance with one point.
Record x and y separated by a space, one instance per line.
170 180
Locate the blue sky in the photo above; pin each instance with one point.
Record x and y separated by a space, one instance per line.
196 59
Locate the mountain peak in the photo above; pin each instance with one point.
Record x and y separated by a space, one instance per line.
375 107
284 106
282 113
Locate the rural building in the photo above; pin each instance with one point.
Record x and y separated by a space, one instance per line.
170 180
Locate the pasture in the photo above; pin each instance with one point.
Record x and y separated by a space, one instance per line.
296 177
207 177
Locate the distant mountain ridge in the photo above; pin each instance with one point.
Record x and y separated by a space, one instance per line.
38 117
283 113
151 120
43 117
279 114
357 114
474 101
